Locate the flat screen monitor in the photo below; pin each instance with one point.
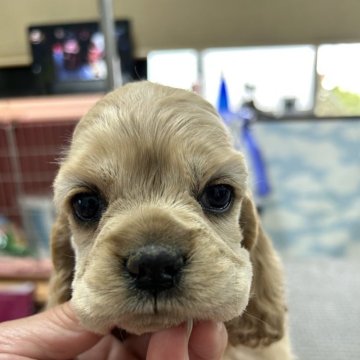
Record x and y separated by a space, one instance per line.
70 58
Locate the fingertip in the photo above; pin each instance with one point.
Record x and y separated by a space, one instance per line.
208 340
170 343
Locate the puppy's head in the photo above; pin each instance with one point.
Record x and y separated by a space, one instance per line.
155 226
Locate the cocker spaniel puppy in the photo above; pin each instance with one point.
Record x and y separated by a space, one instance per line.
156 225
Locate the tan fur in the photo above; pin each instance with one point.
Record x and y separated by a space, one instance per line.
150 150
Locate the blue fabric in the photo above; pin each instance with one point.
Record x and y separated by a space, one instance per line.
261 183
223 99
245 117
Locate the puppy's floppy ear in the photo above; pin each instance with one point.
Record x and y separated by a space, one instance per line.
63 261
263 321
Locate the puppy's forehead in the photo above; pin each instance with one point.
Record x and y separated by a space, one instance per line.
150 114
146 133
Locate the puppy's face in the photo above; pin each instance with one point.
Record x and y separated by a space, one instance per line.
152 191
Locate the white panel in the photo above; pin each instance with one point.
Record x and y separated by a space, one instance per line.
178 68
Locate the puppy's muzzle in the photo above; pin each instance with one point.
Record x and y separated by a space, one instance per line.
155 268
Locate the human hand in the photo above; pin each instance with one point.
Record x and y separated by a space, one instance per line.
57 335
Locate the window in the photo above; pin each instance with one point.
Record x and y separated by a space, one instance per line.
284 81
338 72
279 75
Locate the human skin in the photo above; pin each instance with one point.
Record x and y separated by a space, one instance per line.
57 335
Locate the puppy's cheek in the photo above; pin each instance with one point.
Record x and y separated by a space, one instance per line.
238 288
243 285
86 311
98 306
218 289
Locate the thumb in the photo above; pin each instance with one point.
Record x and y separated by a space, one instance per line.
53 334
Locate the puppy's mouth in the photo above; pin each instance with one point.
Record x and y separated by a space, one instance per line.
119 333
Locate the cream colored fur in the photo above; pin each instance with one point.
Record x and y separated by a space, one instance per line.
150 150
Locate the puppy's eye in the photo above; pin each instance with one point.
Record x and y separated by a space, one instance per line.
87 207
216 198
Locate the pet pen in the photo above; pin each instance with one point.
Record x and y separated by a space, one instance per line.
33 134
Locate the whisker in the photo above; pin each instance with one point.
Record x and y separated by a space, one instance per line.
256 318
69 256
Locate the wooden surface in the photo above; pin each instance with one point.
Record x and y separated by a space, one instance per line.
40 288
47 108
16 271
24 268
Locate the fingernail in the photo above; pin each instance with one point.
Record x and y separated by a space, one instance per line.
219 326
189 327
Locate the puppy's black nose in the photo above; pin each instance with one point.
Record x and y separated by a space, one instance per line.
155 268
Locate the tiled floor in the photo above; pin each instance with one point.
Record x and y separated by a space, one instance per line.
324 310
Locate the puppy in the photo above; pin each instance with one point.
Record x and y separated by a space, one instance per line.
156 225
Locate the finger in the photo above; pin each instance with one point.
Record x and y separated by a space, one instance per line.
101 350
135 347
208 341
169 344
53 334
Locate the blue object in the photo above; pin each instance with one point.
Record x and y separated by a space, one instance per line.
247 115
262 186
223 102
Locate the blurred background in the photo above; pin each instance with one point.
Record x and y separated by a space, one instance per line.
283 74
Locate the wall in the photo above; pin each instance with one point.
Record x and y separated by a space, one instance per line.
190 23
